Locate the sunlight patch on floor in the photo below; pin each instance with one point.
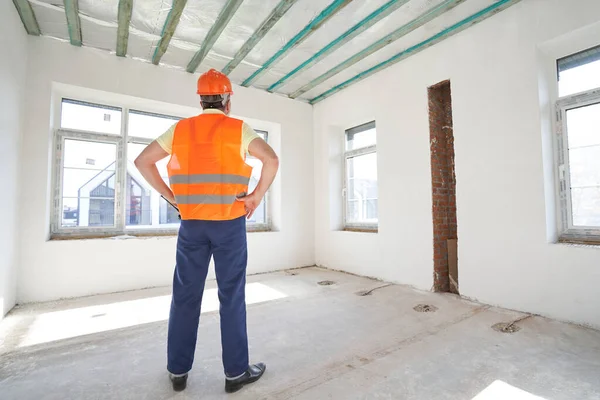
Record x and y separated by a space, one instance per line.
58 325
500 390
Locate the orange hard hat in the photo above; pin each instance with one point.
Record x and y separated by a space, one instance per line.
214 82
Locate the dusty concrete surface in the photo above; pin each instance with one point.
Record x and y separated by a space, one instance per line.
320 342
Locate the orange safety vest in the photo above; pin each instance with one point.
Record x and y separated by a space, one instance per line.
206 169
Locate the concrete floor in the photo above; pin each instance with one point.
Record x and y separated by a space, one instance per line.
320 342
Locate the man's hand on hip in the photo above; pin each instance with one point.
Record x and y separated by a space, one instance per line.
251 203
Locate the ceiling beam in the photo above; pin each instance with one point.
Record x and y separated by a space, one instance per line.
213 34
73 22
319 20
124 18
404 30
267 24
27 17
168 30
446 33
350 34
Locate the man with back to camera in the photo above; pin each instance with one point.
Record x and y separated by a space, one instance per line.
209 183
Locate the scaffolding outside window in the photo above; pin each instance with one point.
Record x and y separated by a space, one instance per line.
578 147
97 189
360 197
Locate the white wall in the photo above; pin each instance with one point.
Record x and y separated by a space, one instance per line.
13 63
502 92
501 106
57 269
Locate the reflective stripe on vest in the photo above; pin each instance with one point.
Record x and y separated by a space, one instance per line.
204 199
209 178
207 170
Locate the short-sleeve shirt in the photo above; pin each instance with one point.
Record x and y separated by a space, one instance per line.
248 135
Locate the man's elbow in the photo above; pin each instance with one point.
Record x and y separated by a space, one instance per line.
139 162
274 160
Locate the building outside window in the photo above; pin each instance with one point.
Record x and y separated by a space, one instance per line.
360 178
578 145
98 190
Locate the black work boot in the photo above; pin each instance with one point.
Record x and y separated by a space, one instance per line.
179 382
252 374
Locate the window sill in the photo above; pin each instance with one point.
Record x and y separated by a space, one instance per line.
361 230
584 243
57 237
65 237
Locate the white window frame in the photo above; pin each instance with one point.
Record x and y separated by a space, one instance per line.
57 231
567 231
348 154
261 226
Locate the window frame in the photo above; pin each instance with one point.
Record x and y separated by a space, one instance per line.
120 228
347 155
567 231
261 226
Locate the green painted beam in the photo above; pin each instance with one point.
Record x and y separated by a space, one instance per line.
267 24
344 38
404 30
124 18
27 17
446 33
73 22
213 34
309 29
168 30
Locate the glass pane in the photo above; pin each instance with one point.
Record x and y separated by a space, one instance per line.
372 209
90 117
262 134
583 126
586 206
89 155
88 188
584 166
88 211
144 207
579 79
352 210
138 203
149 126
70 215
167 214
260 214
361 139
583 135
361 196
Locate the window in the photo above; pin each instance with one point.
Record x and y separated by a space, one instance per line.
90 117
578 155
579 72
259 218
98 190
360 178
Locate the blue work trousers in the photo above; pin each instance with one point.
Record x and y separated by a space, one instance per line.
197 242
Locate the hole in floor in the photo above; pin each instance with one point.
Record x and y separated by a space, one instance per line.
326 283
506 327
425 308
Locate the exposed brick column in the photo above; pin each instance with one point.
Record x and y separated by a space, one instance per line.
443 187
